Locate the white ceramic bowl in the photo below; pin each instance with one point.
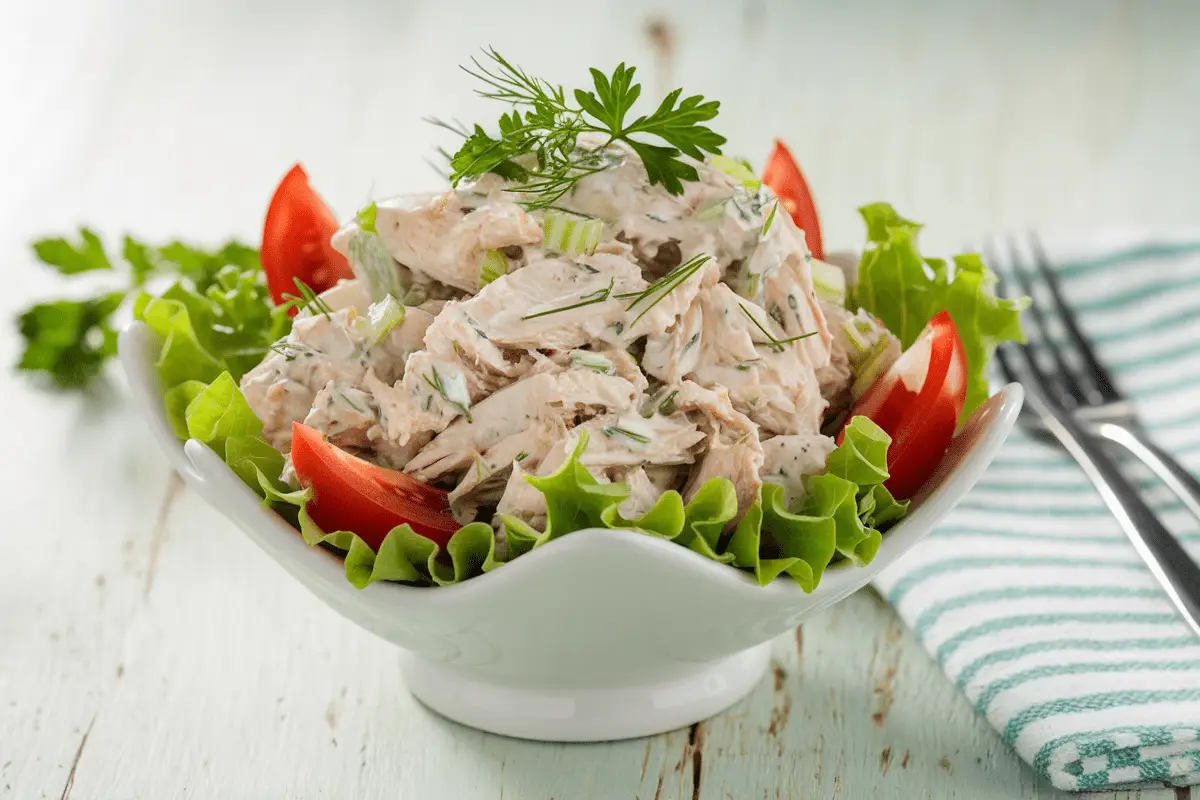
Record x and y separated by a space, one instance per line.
603 634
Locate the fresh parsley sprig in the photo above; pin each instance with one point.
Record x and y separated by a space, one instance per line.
70 340
537 144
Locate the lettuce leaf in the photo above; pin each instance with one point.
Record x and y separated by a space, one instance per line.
843 515
905 290
70 340
226 328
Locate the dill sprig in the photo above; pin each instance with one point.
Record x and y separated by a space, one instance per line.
668 283
537 144
615 430
772 342
770 218
598 296
291 351
436 384
307 299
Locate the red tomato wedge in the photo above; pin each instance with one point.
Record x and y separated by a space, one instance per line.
783 176
355 495
296 238
918 402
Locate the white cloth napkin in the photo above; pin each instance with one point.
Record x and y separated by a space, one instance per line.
1029 596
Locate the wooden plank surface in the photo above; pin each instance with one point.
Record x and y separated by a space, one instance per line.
147 650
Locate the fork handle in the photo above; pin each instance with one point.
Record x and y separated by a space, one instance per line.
1164 465
1174 569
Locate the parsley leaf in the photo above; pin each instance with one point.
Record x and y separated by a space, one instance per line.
545 125
70 259
70 340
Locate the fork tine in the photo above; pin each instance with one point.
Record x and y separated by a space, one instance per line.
1065 381
1100 376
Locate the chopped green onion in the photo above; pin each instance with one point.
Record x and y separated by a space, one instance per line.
829 282
714 209
380 319
872 368
736 170
573 234
494 265
586 359
753 280
855 335
667 407
375 268
521 456
366 218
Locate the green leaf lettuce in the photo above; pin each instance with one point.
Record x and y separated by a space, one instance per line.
905 290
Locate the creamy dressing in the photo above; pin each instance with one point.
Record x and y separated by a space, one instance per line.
673 344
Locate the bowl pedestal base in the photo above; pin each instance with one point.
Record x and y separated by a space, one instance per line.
586 715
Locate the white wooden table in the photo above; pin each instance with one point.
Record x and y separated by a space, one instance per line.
147 650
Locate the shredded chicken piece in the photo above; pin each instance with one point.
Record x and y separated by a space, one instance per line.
643 494
349 418
485 480
569 396
563 304
788 460
436 235
733 449
522 500
772 384
319 349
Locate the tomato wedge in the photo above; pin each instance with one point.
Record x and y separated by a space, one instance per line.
918 402
783 176
296 238
355 495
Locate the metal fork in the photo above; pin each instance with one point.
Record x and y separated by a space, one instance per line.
1094 396
1072 407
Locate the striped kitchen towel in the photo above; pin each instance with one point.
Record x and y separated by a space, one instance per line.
1029 596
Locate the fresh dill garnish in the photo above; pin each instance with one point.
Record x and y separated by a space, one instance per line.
545 124
436 384
770 218
291 351
772 342
598 296
614 430
666 284
308 299
346 399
